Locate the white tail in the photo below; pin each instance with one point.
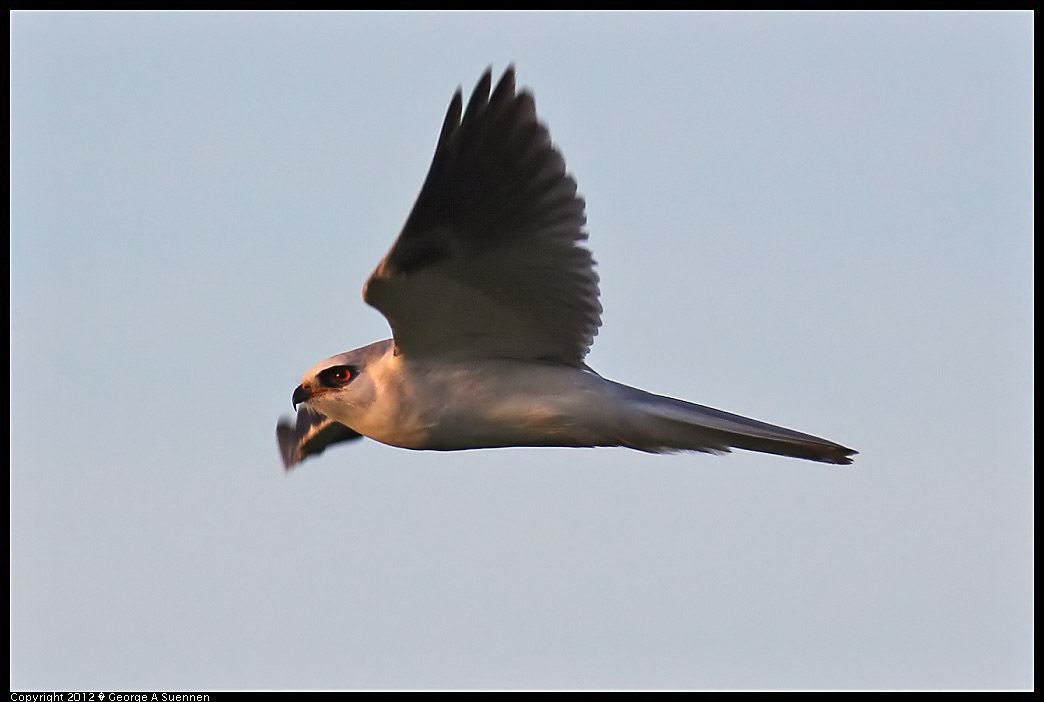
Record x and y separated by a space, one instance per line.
656 423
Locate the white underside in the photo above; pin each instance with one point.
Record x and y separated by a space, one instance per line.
464 404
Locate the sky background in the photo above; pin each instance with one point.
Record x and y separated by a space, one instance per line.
822 221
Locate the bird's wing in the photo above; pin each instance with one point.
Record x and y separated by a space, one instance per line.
309 435
490 261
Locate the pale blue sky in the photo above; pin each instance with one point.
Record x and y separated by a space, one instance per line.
819 220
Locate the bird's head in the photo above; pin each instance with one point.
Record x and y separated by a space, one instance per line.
340 386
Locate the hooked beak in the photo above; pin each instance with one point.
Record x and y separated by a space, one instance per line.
301 394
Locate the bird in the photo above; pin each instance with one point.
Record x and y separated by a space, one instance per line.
493 303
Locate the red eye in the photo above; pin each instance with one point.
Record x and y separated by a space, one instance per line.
336 376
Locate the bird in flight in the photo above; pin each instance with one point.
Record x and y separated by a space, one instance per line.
493 304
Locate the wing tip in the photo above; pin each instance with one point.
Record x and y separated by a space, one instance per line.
289 449
310 435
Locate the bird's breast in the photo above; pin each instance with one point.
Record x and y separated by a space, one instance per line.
492 403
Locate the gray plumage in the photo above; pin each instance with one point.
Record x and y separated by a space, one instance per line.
493 303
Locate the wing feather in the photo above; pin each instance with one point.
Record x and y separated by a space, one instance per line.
490 261
309 435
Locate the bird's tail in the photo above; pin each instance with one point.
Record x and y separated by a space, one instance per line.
657 423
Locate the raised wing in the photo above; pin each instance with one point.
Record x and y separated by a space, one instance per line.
489 263
309 435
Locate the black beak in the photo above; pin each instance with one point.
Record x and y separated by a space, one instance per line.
301 394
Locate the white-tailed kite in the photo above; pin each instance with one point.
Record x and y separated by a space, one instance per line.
493 305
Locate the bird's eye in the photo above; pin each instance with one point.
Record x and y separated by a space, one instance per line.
337 376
